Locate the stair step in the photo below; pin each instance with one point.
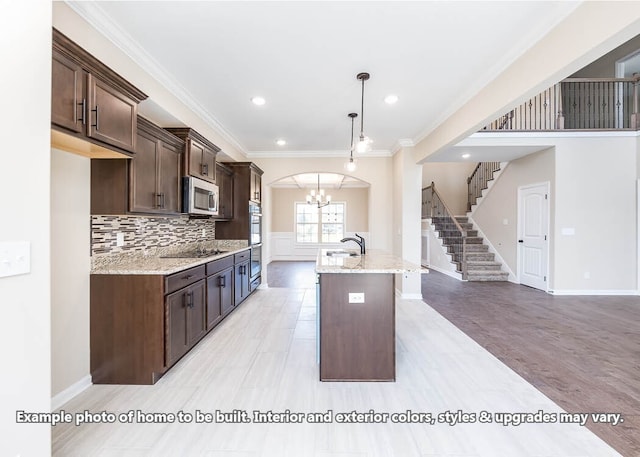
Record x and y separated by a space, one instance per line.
479 256
450 226
476 275
474 257
483 265
477 248
455 233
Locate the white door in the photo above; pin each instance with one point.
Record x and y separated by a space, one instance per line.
533 231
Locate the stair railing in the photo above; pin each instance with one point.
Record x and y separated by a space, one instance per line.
478 180
433 206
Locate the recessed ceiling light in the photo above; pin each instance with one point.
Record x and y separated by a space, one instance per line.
258 101
281 142
390 99
466 155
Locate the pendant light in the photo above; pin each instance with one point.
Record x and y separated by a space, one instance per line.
351 165
364 143
317 197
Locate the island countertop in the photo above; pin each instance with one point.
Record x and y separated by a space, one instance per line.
373 261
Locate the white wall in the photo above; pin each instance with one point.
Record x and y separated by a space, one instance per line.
70 269
407 199
25 50
596 196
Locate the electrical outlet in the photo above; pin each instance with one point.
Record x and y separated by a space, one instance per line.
204 233
119 239
356 297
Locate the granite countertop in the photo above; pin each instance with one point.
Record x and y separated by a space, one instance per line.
372 262
153 262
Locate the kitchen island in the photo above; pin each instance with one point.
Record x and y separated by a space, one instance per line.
356 314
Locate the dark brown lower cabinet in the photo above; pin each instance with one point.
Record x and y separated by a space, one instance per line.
186 320
219 296
141 325
241 281
357 339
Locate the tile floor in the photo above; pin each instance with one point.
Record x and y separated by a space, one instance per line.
262 357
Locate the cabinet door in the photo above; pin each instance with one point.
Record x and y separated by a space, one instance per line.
226 292
169 189
143 176
219 296
225 184
255 187
208 167
177 342
214 300
241 285
68 106
196 314
202 161
111 115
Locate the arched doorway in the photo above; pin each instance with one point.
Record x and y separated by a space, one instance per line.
299 226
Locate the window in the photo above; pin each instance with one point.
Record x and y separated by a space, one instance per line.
320 225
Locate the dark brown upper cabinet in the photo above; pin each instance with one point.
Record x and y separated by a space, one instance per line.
199 154
150 182
256 185
247 179
155 171
224 179
89 101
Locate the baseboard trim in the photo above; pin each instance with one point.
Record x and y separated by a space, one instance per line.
402 296
453 274
70 392
263 285
593 292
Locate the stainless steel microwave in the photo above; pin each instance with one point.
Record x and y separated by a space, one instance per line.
199 197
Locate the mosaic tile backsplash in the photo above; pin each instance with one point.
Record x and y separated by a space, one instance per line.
142 234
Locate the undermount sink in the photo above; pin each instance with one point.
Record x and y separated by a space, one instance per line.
193 254
342 253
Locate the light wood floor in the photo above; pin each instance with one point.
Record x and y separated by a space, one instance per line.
262 357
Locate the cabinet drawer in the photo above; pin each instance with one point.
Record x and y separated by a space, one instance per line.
254 284
219 265
242 256
184 278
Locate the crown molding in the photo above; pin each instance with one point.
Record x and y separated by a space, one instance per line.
315 154
102 22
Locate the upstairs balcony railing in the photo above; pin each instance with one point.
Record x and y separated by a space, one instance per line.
577 104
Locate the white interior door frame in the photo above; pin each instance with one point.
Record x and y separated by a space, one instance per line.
547 190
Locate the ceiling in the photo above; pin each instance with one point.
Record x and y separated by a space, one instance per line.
322 180
303 57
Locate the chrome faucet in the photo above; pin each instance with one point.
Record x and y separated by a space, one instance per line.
360 242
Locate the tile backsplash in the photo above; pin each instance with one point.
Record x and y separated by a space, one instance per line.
142 233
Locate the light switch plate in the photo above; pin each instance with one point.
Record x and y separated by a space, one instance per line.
15 258
356 297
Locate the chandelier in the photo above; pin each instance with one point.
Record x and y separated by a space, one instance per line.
318 197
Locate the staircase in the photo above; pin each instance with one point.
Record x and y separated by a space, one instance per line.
479 181
468 253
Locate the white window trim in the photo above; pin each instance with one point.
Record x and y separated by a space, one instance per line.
320 244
